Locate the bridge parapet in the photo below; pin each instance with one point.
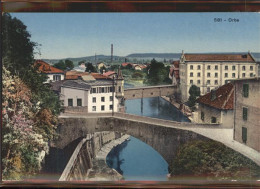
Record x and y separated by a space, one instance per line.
149 91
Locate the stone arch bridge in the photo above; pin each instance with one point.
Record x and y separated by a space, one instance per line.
163 135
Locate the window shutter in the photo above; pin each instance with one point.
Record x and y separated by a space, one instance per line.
245 90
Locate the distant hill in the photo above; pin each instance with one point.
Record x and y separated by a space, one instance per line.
138 57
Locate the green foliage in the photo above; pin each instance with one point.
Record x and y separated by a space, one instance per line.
214 160
17 49
81 62
194 92
67 65
114 67
90 68
29 107
158 73
137 75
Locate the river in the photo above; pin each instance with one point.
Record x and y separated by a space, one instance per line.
136 160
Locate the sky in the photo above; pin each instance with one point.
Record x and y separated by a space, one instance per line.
71 35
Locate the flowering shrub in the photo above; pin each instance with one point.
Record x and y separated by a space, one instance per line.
23 141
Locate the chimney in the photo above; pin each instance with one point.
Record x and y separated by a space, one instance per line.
213 95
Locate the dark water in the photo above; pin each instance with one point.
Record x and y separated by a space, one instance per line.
136 160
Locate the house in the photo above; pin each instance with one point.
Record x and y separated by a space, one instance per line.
174 73
100 65
139 66
110 74
126 64
247 112
209 71
217 106
54 74
91 92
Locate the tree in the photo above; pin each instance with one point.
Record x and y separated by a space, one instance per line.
90 68
157 73
81 62
17 49
194 92
69 64
29 107
60 65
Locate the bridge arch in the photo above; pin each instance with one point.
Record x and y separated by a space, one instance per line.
165 140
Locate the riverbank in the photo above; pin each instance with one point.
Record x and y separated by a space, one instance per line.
100 170
178 106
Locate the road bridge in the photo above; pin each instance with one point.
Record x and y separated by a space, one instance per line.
149 91
163 135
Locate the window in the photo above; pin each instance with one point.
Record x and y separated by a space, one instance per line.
202 116
198 81
102 108
119 89
233 75
213 120
56 77
94 108
226 67
102 89
111 107
102 99
233 67
251 68
191 81
111 98
70 102
244 113
208 67
94 90
208 74
191 74
208 89
198 67
198 74
226 74
216 67
244 134
79 102
243 75
191 67
216 82
245 90
251 75
208 81
216 74
243 68
94 100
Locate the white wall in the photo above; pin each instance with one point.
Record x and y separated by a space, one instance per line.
50 77
98 102
74 94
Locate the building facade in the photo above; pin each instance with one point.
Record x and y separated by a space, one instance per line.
93 94
247 112
209 71
217 106
53 74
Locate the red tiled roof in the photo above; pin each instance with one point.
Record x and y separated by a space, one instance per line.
75 74
224 98
109 73
219 57
125 64
46 68
99 76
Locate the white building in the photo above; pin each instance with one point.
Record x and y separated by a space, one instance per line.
54 74
209 71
